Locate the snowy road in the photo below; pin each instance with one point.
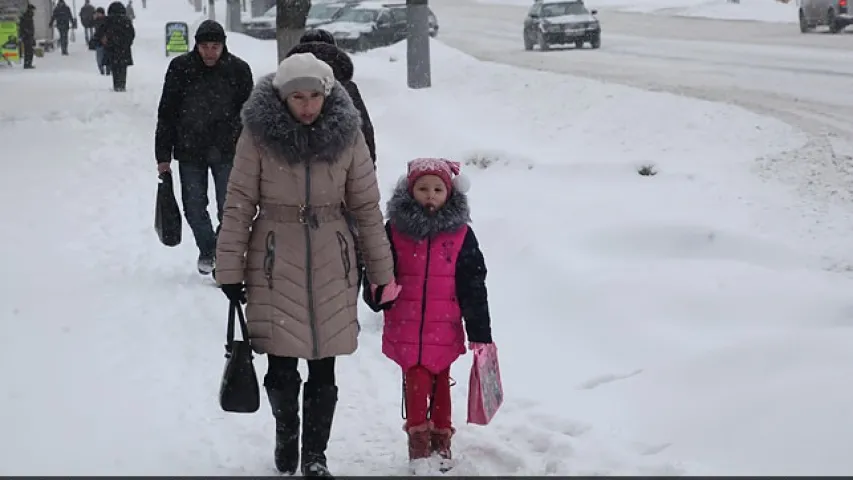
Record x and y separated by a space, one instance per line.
768 68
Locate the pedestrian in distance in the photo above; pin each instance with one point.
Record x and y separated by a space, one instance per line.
27 29
100 54
116 35
63 19
87 15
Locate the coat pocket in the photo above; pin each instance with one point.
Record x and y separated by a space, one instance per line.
269 257
345 260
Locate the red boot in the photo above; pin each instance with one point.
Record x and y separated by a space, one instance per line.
440 442
419 441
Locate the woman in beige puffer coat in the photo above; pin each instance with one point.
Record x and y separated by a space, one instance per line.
285 246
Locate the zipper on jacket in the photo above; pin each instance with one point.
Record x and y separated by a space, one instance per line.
424 304
309 265
345 261
269 257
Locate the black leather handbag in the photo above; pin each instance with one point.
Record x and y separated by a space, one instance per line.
239 391
167 214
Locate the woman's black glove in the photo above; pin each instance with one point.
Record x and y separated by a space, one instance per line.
236 292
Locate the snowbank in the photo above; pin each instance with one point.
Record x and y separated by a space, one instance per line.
676 323
755 10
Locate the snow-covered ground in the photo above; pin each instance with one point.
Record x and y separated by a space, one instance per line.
697 321
757 10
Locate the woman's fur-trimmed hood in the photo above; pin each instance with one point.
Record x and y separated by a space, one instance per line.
411 219
267 117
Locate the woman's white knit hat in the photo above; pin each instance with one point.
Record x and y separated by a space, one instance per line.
303 71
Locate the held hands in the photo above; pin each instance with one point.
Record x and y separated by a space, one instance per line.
477 346
383 296
236 292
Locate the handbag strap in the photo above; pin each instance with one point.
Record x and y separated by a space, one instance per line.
235 310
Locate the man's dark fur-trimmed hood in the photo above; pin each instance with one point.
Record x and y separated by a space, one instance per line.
411 219
267 117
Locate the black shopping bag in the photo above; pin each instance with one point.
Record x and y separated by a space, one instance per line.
167 214
239 391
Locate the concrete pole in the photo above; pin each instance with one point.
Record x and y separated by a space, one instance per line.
74 14
417 44
232 17
211 10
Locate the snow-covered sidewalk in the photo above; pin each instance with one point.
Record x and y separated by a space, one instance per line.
680 323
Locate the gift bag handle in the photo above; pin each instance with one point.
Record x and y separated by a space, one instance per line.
235 310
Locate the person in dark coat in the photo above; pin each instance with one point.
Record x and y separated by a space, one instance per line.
87 15
27 32
318 35
116 34
130 14
63 19
322 45
198 123
94 44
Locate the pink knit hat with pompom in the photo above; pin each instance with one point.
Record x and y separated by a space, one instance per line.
447 170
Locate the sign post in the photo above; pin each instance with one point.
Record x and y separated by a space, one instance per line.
9 41
177 38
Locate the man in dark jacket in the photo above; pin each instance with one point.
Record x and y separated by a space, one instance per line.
116 34
27 31
198 123
63 19
87 14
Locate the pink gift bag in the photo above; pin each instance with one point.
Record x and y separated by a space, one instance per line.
485 390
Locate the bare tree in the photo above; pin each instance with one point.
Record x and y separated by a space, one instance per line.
290 19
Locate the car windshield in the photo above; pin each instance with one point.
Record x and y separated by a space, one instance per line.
559 9
323 12
359 15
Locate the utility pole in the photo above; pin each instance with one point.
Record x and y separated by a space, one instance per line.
417 44
232 16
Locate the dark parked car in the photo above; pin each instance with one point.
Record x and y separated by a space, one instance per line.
320 14
433 20
551 22
372 24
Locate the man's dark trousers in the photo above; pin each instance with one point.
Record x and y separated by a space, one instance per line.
194 185
27 44
63 40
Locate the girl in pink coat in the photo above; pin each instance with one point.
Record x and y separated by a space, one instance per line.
442 273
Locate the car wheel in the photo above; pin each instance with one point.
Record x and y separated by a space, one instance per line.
595 42
804 26
362 45
578 43
528 43
543 44
834 26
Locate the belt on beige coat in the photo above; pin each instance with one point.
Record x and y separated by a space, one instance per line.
312 215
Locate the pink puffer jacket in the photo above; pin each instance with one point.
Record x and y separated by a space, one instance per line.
424 326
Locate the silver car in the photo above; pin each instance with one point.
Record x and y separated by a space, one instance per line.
833 13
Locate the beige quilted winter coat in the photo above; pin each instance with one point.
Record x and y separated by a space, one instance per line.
283 231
